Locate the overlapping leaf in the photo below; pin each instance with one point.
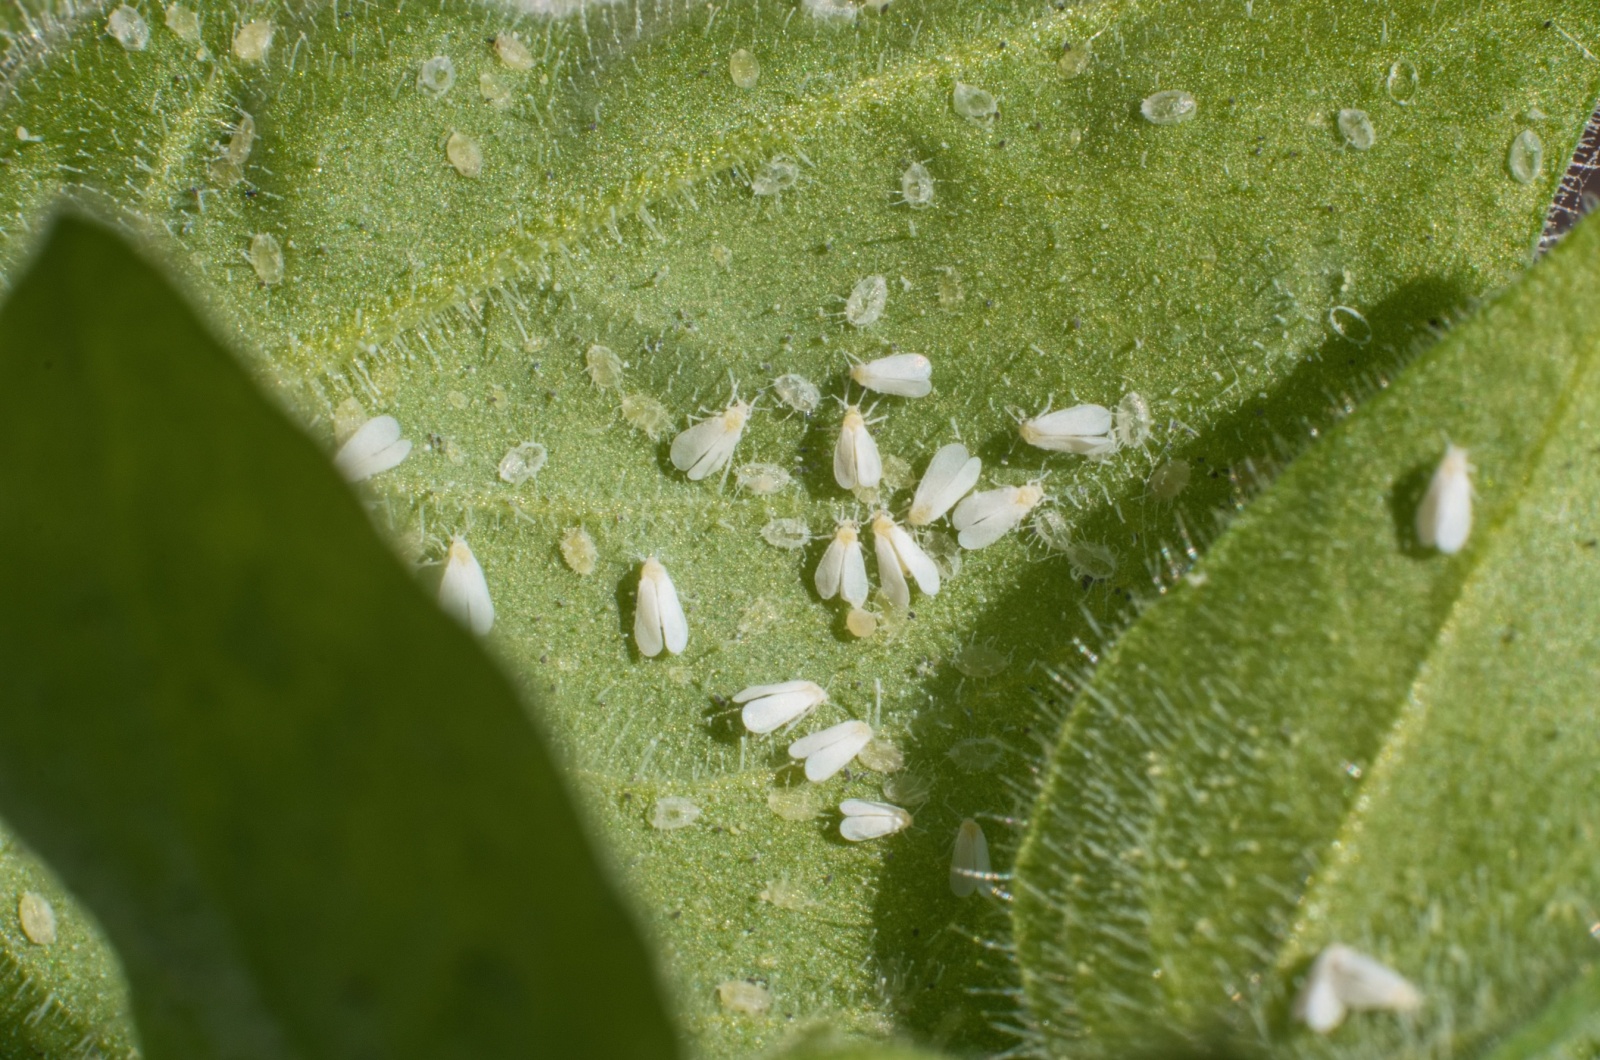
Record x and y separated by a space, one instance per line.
1328 733
311 815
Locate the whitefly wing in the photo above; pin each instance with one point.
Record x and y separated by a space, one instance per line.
844 455
853 586
951 474
1341 979
704 448
830 570
870 820
830 750
768 707
1444 519
1318 1005
1364 982
969 860
856 461
463 590
1084 429
674 627
984 518
1080 420
916 562
647 617
891 578
869 464
762 691
900 374
375 447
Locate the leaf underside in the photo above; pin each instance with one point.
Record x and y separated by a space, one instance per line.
1073 250
1329 733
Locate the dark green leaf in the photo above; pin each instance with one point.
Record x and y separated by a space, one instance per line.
313 818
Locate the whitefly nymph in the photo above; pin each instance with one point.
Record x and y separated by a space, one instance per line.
916 186
775 177
798 392
1132 421
867 300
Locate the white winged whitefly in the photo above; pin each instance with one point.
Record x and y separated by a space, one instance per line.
984 518
900 374
769 707
463 590
898 555
856 462
375 447
1444 518
864 819
828 751
658 621
842 571
950 476
1342 980
706 447
1084 429
969 860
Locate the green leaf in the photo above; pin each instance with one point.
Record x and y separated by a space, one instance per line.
1567 1029
313 818
1328 733
61 989
1072 250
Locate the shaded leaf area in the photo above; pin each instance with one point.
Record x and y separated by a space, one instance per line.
1567 1029
817 1051
1072 250
1328 733
312 816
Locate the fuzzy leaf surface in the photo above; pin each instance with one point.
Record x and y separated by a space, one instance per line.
1072 250
1329 733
